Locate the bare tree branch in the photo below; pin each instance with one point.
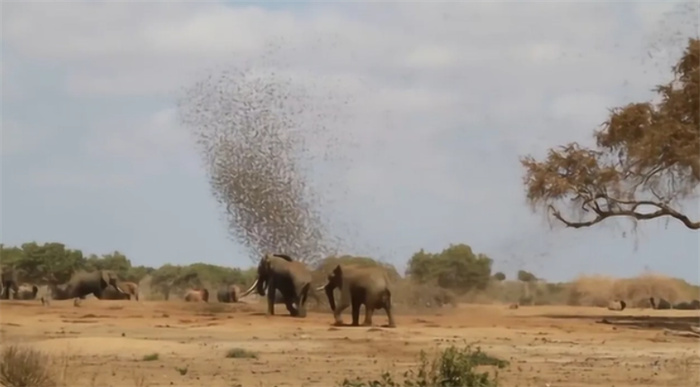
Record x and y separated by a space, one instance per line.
662 211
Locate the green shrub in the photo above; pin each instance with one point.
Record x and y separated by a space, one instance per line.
452 367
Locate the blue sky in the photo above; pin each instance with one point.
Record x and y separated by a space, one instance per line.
442 100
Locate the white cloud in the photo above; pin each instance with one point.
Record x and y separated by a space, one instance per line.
149 147
15 138
581 107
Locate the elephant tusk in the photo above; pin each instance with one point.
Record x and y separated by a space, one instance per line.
120 290
247 292
318 289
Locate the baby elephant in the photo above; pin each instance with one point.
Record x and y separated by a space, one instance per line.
197 295
617 305
229 294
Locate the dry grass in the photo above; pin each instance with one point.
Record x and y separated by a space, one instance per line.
583 291
598 290
593 290
23 366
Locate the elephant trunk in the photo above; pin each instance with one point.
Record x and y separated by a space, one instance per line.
262 284
250 290
329 293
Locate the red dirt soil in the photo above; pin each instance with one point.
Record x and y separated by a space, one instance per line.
104 343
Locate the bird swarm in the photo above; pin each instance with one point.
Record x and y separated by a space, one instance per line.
250 128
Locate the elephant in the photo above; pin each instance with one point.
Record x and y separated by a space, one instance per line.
692 305
9 282
111 293
359 285
83 283
197 295
660 304
229 294
26 292
291 278
130 289
617 305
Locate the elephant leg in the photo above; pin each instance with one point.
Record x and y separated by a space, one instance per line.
369 311
389 312
301 300
356 312
271 300
289 303
339 309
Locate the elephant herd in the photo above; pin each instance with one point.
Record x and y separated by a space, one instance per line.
103 284
279 277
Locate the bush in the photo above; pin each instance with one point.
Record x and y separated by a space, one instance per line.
25 367
240 353
452 367
456 268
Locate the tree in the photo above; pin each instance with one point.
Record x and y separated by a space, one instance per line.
170 277
526 276
499 276
646 157
456 268
37 261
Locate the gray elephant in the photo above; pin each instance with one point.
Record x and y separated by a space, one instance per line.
660 303
82 284
617 305
358 286
9 282
128 291
228 294
111 293
26 292
291 278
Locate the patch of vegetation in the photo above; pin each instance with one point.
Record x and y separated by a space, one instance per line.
151 357
240 353
25 367
451 367
182 370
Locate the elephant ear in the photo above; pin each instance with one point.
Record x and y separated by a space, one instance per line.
338 275
104 278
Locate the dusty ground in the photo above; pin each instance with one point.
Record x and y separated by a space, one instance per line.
105 343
